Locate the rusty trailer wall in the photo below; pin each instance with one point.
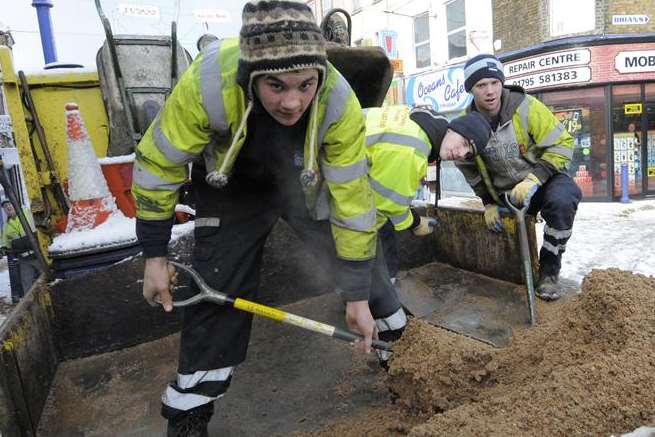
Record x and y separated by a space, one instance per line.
29 358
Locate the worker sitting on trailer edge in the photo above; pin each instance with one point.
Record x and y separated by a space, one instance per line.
400 143
273 131
527 156
21 261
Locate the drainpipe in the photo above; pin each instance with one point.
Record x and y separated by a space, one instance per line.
45 29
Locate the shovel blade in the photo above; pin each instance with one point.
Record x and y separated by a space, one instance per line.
467 303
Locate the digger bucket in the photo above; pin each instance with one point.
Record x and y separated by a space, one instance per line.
480 294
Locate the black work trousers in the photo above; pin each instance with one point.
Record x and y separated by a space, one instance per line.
231 228
557 200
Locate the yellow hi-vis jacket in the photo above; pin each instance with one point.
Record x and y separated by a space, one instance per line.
397 150
205 118
527 133
13 229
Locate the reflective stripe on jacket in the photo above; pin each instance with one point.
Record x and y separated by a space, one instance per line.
397 150
204 118
527 132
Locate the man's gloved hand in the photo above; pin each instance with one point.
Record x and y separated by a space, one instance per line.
524 190
425 227
492 217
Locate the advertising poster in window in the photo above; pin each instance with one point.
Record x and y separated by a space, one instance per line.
576 122
627 149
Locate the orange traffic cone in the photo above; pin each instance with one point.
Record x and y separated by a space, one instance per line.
91 202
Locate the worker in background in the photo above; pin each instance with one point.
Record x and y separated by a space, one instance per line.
21 260
527 156
400 144
273 130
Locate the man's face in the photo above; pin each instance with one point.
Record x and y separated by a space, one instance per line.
9 210
486 93
455 147
286 96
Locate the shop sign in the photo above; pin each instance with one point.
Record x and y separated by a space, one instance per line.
632 108
547 62
552 78
138 10
444 90
397 65
387 39
638 61
619 20
212 16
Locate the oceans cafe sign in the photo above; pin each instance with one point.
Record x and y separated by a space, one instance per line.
443 89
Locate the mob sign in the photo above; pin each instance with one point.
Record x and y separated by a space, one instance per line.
444 90
637 61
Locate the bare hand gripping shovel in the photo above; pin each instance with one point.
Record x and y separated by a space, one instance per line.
208 294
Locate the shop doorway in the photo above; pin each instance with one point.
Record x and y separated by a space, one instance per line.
649 121
633 137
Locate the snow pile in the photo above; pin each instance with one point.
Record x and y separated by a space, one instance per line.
117 230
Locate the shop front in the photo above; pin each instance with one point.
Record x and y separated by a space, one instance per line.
602 89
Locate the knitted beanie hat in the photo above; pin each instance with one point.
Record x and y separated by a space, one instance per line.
434 126
482 67
474 127
278 36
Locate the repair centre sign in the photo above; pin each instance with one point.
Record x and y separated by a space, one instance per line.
557 68
443 90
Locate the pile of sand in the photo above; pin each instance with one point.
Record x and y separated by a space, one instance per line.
586 369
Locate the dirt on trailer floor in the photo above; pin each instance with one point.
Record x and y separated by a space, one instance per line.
586 369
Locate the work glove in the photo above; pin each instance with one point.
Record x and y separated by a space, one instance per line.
523 191
425 227
492 217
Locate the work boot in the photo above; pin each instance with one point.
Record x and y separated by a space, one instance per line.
192 423
548 287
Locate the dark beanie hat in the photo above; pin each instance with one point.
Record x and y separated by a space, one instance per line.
433 124
474 127
278 36
481 67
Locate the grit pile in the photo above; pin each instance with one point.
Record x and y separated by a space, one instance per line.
586 369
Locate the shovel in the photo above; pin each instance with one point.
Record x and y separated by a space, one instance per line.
208 294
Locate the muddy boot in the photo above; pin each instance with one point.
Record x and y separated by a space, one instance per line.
548 287
192 423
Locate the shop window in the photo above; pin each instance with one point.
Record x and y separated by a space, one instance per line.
583 113
569 17
456 28
422 40
649 109
626 125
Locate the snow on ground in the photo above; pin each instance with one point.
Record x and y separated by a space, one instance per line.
610 235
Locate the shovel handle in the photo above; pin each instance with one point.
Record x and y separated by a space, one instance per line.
303 322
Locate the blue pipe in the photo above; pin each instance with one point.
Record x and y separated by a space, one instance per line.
625 198
45 29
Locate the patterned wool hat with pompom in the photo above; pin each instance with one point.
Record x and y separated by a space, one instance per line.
278 36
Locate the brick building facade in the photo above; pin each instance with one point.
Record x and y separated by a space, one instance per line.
595 69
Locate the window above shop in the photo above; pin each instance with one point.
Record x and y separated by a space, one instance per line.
570 17
422 40
456 28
